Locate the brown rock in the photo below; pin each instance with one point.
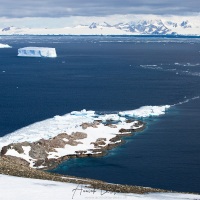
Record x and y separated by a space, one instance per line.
80 152
39 162
78 135
123 130
37 151
4 150
16 146
86 125
115 139
111 125
18 161
101 139
62 136
73 142
129 121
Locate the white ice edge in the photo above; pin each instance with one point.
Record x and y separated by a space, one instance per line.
5 46
37 52
145 111
71 123
25 188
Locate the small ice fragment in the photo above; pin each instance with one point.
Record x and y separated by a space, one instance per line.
5 46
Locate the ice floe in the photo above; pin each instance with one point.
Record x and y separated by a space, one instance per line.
5 46
145 111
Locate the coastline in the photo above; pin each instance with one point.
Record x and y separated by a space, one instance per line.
101 152
12 168
39 148
78 134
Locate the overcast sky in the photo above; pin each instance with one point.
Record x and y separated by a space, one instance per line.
10 9
63 8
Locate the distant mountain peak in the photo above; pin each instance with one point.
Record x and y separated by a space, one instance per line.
95 25
7 28
185 24
148 26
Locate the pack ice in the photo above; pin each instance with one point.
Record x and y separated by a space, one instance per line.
37 52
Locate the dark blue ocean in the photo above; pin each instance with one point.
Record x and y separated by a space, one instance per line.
111 74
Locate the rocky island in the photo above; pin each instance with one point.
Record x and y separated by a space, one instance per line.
45 144
87 139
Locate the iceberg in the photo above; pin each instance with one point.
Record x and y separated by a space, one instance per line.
37 52
4 46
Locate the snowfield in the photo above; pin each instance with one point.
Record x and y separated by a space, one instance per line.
17 188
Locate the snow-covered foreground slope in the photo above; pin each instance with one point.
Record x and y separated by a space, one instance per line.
37 52
17 188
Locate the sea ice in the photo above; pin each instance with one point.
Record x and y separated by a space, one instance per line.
5 46
145 111
37 52
83 113
71 122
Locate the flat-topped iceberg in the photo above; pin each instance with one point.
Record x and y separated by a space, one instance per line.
4 46
37 52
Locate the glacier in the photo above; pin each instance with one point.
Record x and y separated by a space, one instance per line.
37 52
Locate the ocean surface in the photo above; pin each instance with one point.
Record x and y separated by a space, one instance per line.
108 75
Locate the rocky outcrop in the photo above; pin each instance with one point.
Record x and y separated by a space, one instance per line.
39 150
17 147
42 153
111 125
12 167
99 142
93 125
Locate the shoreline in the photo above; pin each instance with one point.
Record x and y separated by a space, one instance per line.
93 138
104 150
9 167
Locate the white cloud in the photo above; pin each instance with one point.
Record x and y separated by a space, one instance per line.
64 8
40 22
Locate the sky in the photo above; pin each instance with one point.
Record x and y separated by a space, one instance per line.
58 13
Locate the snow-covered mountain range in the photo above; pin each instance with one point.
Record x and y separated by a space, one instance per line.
135 27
